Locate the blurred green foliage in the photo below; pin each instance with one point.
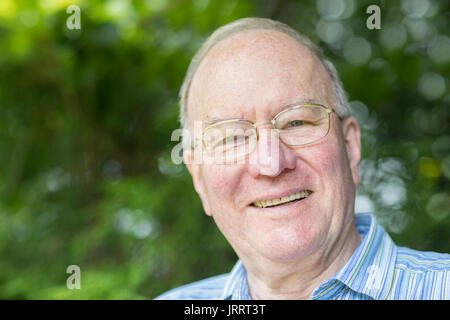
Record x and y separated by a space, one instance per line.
86 118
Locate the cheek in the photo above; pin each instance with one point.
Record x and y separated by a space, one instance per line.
335 162
327 160
330 163
221 183
222 189
333 169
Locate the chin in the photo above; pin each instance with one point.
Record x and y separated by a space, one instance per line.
283 245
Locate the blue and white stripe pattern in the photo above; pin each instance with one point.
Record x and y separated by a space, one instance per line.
378 269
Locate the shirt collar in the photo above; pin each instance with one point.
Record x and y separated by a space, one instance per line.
236 287
369 271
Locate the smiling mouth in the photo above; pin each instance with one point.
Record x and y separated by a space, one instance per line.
282 201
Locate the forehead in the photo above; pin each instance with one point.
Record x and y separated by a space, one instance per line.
255 72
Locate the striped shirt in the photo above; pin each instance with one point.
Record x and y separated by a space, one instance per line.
378 269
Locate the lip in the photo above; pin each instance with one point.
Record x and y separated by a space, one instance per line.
284 212
280 195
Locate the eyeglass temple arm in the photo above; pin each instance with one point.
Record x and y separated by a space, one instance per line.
330 110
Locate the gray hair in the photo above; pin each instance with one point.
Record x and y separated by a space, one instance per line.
341 107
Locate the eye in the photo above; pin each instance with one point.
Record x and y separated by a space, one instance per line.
295 123
232 140
235 139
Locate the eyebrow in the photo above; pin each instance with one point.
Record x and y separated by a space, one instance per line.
301 101
213 120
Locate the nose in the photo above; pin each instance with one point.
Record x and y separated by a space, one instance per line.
271 157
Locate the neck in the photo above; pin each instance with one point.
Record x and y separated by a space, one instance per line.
269 280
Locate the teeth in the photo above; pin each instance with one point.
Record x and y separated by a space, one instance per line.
267 203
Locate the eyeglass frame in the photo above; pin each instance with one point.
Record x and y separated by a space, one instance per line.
256 124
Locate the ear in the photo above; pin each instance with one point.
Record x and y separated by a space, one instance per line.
352 140
195 170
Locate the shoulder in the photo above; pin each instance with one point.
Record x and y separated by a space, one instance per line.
206 289
422 261
422 275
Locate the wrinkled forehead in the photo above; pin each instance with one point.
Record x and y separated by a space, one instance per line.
256 71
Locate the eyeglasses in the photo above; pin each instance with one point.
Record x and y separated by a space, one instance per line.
298 125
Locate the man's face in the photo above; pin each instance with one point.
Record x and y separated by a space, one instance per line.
254 75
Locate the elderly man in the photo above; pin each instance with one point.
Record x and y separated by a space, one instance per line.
280 165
